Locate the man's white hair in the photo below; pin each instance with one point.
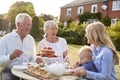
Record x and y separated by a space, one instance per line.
20 18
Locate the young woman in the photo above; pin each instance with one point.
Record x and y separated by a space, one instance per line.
104 54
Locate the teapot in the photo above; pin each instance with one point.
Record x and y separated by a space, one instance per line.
57 69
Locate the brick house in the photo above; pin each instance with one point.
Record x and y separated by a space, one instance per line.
105 7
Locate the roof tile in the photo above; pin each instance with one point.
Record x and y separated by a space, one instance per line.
80 2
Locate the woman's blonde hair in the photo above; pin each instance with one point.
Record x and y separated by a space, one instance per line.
99 35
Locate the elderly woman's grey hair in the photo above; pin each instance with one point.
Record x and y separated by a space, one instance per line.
20 18
47 24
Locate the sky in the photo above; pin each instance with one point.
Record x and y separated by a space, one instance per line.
51 7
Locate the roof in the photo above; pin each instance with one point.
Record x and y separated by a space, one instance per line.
81 2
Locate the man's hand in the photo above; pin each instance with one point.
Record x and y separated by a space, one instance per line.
16 53
39 60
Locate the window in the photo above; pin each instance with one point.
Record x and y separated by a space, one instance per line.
69 10
115 5
94 8
92 20
80 10
65 24
113 21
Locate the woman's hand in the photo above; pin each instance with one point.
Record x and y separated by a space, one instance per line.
66 59
80 71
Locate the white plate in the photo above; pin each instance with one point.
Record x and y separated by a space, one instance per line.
30 64
20 67
27 53
49 60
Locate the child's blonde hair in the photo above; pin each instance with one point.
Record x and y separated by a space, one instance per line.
87 52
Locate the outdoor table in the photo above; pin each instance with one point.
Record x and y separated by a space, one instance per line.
22 75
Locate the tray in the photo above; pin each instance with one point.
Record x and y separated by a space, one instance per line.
41 78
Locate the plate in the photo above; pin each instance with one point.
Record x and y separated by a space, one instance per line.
68 77
27 53
49 60
20 67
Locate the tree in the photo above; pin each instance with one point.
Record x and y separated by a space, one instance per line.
19 7
41 21
35 32
2 16
46 17
3 24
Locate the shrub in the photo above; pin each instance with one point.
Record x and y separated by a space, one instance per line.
70 40
106 21
87 15
114 33
74 33
81 32
60 32
83 17
69 20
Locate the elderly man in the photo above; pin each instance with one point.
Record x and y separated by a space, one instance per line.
17 47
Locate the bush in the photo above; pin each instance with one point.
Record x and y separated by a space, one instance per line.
114 33
69 21
70 40
74 33
83 17
60 32
87 15
106 21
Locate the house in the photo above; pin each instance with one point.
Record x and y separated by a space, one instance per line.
71 10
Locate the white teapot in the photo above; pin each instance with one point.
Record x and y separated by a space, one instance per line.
57 69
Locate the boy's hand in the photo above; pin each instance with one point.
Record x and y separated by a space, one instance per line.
77 64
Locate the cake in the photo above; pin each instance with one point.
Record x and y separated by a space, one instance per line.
47 52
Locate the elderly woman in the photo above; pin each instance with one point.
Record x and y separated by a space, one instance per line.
51 39
104 54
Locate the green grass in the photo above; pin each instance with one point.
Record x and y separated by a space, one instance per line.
75 46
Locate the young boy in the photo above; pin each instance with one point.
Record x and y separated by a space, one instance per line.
85 59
